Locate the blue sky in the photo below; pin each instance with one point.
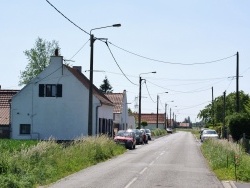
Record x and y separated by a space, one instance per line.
171 31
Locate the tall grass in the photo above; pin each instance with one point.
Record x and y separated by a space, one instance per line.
158 132
48 161
228 160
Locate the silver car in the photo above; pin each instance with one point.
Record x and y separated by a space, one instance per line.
209 134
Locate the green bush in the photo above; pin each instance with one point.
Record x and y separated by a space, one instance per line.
239 124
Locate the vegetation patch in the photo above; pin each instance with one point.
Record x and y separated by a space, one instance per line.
158 132
228 160
30 163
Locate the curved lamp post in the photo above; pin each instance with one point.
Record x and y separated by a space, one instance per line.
92 40
140 79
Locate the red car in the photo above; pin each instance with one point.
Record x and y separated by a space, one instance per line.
126 138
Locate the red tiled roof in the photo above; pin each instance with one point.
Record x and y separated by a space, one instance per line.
85 81
5 98
152 118
117 99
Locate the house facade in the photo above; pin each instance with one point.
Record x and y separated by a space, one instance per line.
122 120
55 104
5 104
151 120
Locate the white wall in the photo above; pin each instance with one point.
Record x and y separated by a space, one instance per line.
63 118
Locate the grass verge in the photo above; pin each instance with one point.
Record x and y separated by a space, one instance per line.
228 160
29 164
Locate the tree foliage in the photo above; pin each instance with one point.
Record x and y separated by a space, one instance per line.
230 107
38 59
239 123
106 87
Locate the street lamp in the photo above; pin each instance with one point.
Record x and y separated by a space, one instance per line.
140 79
157 116
166 115
92 40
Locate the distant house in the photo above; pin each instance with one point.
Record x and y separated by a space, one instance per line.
151 119
5 104
55 104
121 118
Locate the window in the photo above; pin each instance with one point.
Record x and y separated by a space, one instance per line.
50 90
24 128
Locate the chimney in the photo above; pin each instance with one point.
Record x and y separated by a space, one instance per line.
78 68
56 52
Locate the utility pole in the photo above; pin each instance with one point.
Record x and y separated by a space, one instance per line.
173 119
170 118
90 119
157 111
224 114
237 84
213 105
166 115
139 115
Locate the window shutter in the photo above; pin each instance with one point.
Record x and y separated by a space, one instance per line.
59 90
41 90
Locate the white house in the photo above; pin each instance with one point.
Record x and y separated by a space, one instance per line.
55 104
121 118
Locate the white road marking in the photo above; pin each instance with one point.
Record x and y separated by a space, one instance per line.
143 170
150 164
131 182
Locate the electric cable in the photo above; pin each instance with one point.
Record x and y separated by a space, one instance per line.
68 18
118 65
167 62
149 93
79 50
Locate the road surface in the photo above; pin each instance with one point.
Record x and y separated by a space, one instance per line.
171 161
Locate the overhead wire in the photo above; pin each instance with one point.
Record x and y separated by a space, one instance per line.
67 18
149 93
79 50
119 65
167 62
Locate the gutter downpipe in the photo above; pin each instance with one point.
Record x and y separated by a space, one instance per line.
96 121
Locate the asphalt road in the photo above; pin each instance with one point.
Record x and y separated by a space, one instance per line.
171 161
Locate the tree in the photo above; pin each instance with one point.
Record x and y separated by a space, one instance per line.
207 115
144 123
38 59
106 87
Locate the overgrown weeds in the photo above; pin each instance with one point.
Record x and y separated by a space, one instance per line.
228 160
158 132
29 165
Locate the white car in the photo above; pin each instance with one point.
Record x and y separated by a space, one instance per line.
209 134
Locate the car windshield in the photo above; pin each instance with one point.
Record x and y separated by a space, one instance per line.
120 134
209 132
147 131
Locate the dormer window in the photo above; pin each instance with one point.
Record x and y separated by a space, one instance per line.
50 90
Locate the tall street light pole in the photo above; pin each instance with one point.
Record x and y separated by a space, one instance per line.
166 115
157 116
139 115
90 112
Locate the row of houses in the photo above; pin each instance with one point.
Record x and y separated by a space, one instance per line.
55 104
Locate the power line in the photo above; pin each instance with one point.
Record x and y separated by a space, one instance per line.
118 65
79 50
149 93
167 62
68 18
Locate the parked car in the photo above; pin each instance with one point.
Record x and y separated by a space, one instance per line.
126 138
169 130
209 134
138 135
144 136
148 132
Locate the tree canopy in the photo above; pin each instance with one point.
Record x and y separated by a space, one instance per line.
106 87
230 107
38 59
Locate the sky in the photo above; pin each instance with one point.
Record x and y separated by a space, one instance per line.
191 45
